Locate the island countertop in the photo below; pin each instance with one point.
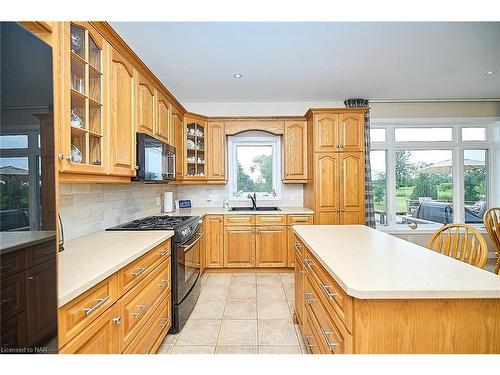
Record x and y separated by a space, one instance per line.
88 260
370 264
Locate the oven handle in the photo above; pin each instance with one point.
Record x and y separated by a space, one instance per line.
187 247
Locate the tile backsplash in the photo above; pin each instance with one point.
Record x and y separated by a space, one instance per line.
87 208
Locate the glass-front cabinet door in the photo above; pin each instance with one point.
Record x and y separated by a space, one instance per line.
82 137
195 149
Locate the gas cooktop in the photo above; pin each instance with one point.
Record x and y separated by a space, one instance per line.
156 223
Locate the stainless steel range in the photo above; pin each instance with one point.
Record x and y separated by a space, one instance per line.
186 283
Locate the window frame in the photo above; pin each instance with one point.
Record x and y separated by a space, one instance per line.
491 144
251 139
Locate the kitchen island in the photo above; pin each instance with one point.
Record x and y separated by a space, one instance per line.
359 290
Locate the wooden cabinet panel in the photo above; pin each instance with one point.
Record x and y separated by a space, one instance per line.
270 219
216 151
351 132
271 249
299 289
146 106
14 332
164 119
326 132
327 169
41 301
12 295
177 141
299 219
214 241
121 116
11 263
295 151
352 192
239 246
101 337
239 220
327 218
310 335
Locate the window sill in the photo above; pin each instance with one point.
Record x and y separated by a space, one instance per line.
427 229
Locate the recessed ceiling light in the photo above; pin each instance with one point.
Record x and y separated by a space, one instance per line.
237 75
489 72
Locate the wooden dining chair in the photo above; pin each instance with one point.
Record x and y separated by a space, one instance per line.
492 224
462 242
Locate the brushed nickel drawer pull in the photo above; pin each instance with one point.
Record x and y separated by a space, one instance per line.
116 320
139 271
296 245
308 262
142 308
327 292
325 334
164 252
100 302
165 322
308 298
308 343
164 283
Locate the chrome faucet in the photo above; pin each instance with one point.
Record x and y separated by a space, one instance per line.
254 200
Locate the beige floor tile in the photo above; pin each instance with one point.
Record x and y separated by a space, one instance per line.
236 349
277 332
170 339
242 292
299 338
273 310
280 349
218 279
199 332
269 279
238 332
291 306
205 309
265 292
193 349
164 349
243 279
240 309
288 279
204 278
214 293
289 291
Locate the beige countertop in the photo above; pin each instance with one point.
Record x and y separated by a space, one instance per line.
369 264
88 260
202 211
12 241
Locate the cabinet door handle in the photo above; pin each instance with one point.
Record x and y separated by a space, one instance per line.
341 210
165 322
139 271
308 262
327 292
308 343
341 146
301 272
142 308
308 298
116 320
100 302
296 245
331 345
164 284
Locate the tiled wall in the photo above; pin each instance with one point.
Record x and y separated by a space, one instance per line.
87 208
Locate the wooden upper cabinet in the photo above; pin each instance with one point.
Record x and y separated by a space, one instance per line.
351 132
214 240
164 119
216 151
145 106
177 140
326 181
295 151
271 249
121 119
352 192
325 132
239 246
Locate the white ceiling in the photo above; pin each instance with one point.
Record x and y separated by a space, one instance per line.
288 62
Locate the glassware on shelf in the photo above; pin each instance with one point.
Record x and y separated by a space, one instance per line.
76 121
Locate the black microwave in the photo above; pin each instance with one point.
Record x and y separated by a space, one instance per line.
155 160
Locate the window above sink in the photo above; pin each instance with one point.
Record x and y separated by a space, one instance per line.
254 160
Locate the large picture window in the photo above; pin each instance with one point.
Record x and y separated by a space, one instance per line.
433 174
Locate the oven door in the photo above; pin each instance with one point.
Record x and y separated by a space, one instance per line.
188 265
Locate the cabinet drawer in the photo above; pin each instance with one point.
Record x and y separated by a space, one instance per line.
12 295
330 292
335 337
270 219
41 253
136 271
154 330
299 219
14 332
239 219
298 247
11 263
80 312
310 337
142 300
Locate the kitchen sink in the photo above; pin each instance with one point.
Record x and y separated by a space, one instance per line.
257 209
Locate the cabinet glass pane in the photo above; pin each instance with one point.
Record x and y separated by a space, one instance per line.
94 150
77 41
78 146
94 86
77 75
94 118
77 115
94 54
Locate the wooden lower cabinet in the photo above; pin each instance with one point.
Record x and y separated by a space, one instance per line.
299 290
239 247
214 241
270 248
